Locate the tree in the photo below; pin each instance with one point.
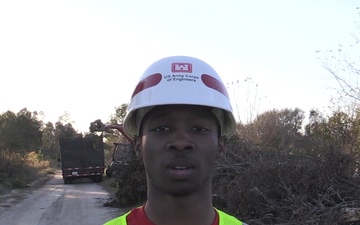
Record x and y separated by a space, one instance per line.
64 128
344 65
279 129
120 113
49 142
19 134
339 132
116 118
246 93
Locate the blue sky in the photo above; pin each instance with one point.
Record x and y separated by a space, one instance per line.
84 57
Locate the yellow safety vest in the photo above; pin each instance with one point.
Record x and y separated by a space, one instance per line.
224 219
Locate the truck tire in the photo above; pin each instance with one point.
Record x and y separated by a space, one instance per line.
98 178
114 172
66 180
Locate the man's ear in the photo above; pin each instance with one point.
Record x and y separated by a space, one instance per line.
137 146
221 147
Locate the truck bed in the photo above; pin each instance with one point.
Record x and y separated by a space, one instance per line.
82 152
82 157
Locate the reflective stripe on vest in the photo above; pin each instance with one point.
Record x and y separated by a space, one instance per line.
224 219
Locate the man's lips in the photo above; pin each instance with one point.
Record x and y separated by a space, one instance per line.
180 165
180 173
180 169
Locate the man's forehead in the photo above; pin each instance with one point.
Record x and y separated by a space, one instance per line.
169 110
189 108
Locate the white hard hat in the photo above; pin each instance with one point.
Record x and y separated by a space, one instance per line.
179 80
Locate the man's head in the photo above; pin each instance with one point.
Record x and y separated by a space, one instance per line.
180 80
179 144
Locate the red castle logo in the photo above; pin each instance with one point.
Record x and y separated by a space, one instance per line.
181 68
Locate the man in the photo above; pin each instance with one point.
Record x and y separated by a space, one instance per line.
179 117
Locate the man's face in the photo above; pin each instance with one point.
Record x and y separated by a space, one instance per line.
179 144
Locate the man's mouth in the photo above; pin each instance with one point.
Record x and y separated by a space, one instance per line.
181 168
181 165
182 171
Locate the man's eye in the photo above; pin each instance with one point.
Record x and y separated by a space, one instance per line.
200 129
161 129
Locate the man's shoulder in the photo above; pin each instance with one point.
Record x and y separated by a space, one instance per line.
121 220
227 219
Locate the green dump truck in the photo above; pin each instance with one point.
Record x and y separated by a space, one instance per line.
82 157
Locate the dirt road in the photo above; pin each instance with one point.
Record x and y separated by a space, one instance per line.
80 203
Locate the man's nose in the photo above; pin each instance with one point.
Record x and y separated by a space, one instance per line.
180 140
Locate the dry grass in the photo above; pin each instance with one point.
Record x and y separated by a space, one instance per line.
108 185
22 172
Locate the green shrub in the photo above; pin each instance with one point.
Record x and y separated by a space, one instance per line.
131 183
261 186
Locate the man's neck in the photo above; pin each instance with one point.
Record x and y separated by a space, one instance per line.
180 211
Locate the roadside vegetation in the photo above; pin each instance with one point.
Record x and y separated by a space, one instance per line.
29 147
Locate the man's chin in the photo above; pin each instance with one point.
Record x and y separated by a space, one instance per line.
181 191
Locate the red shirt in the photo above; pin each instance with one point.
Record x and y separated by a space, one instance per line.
137 217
